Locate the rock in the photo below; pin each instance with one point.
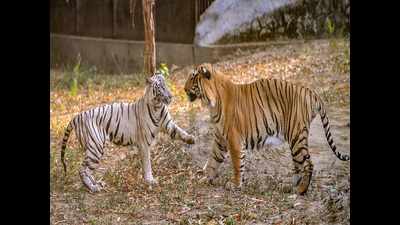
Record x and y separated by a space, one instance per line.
269 19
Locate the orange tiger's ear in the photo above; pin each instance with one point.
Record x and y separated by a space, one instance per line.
205 72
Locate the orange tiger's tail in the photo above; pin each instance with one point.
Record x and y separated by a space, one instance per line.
326 125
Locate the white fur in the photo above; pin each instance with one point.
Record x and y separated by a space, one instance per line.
273 141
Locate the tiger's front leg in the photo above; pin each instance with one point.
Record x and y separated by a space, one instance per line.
174 131
146 166
217 157
237 157
184 136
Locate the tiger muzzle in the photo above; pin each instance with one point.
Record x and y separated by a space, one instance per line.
191 96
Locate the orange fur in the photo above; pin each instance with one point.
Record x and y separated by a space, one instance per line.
249 113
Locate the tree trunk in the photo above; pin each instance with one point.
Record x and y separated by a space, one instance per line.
149 37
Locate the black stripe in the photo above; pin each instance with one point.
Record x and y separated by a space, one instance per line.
94 161
293 142
89 134
263 116
281 99
122 138
219 112
252 142
95 130
217 159
151 133
294 114
255 113
325 124
111 136
151 116
259 141
220 146
259 95
98 114
147 141
298 151
265 139
173 133
273 115
95 155
162 112
165 116
329 135
117 129
122 109
109 121
166 126
103 115
130 141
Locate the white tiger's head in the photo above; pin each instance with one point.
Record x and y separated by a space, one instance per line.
158 90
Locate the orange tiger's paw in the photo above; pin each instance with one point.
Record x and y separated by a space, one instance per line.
232 186
303 185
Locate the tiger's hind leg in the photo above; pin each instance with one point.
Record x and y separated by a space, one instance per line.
94 151
296 173
303 167
86 173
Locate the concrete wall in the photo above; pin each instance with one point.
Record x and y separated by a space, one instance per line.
123 56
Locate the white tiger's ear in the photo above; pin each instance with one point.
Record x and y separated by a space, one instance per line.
149 80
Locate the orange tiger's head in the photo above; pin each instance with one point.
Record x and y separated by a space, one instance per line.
200 84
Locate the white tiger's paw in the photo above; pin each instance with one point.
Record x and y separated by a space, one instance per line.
90 183
95 188
232 186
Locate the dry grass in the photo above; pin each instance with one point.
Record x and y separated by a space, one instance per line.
179 198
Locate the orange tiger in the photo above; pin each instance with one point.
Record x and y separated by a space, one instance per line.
249 116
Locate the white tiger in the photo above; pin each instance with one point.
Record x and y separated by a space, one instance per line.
136 123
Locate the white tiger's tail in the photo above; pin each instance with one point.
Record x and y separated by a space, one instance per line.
64 144
326 125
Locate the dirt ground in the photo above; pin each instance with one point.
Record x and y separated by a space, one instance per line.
267 197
